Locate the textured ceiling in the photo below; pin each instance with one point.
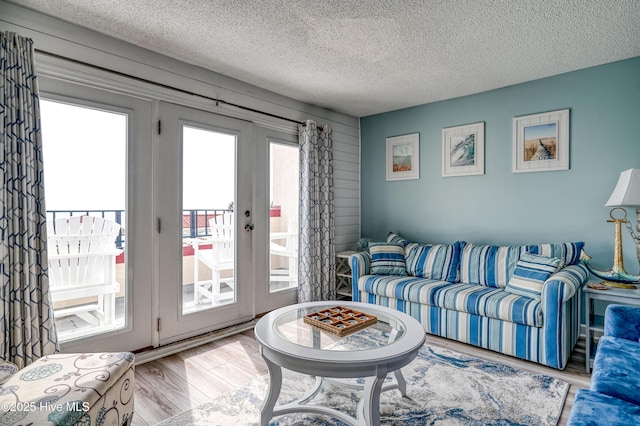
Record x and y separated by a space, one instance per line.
366 57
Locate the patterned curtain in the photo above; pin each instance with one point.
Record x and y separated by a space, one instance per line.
27 330
317 260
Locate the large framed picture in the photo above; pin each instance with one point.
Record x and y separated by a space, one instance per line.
541 142
463 150
403 157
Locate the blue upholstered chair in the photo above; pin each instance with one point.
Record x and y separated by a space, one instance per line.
614 395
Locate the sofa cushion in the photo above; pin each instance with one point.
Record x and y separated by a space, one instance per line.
387 259
407 288
595 409
487 265
531 272
470 298
616 369
569 252
436 261
489 302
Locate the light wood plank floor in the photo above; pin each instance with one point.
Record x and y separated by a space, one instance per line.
170 385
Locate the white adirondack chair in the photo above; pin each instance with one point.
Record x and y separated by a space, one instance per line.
82 263
289 250
218 258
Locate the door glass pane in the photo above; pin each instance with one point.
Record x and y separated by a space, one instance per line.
283 220
208 223
84 152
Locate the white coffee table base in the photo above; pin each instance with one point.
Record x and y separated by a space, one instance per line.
367 412
399 339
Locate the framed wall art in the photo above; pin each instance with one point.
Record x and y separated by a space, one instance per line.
463 150
541 142
403 157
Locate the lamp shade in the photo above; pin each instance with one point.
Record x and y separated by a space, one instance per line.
627 190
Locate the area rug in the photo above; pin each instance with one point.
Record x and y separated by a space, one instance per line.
443 388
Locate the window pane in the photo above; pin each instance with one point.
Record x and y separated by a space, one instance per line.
283 220
85 186
208 193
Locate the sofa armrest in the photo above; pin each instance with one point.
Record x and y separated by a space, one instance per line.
622 321
360 265
566 282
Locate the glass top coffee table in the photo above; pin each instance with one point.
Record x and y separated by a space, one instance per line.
287 341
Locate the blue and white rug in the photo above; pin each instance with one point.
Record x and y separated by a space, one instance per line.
443 387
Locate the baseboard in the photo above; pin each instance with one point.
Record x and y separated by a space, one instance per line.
183 345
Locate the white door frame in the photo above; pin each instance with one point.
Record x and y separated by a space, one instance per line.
137 333
265 300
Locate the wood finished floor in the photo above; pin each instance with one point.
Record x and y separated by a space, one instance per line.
170 385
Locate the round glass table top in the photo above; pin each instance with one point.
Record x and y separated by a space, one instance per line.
292 327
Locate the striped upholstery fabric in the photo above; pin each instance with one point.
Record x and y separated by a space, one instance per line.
569 252
530 274
481 316
396 239
490 266
387 259
440 261
471 298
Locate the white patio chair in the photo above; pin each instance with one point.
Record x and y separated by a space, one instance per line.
220 257
288 250
82 263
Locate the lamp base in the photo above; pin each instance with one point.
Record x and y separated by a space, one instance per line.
619 285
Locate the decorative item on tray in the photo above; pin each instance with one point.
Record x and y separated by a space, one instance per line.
598 286
340 320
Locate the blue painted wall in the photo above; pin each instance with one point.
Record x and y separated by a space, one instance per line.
502 207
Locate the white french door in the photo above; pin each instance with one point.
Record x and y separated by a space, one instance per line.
207 211
98 161
204 222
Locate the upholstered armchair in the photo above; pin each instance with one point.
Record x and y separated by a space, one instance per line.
69 389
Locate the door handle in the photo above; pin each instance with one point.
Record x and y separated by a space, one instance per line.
248 227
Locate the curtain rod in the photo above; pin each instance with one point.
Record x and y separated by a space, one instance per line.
166 86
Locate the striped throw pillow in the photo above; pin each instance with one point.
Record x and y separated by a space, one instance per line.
387 259
434 261
530 274
397 239
569 252
490 266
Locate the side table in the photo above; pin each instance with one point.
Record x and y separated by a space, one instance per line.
343 275
595 323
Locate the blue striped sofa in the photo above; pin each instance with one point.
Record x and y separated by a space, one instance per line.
464 292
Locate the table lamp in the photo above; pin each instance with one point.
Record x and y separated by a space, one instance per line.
625 194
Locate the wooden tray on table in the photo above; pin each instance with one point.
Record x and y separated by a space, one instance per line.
340 320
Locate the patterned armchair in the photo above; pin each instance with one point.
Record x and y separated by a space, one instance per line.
69 389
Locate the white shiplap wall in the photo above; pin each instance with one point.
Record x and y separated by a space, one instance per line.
81 44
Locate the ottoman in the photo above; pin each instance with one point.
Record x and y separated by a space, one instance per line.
70 389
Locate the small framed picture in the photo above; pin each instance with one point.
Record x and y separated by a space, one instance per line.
541 142
463 150
403 157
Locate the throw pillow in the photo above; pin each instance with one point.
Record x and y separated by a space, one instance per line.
569 252
487 265
397 239
434 261
531 272
387 259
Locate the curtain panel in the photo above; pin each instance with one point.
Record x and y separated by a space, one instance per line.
317 260
26 316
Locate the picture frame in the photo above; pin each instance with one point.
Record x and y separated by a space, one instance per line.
403 157
541 142
463 150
